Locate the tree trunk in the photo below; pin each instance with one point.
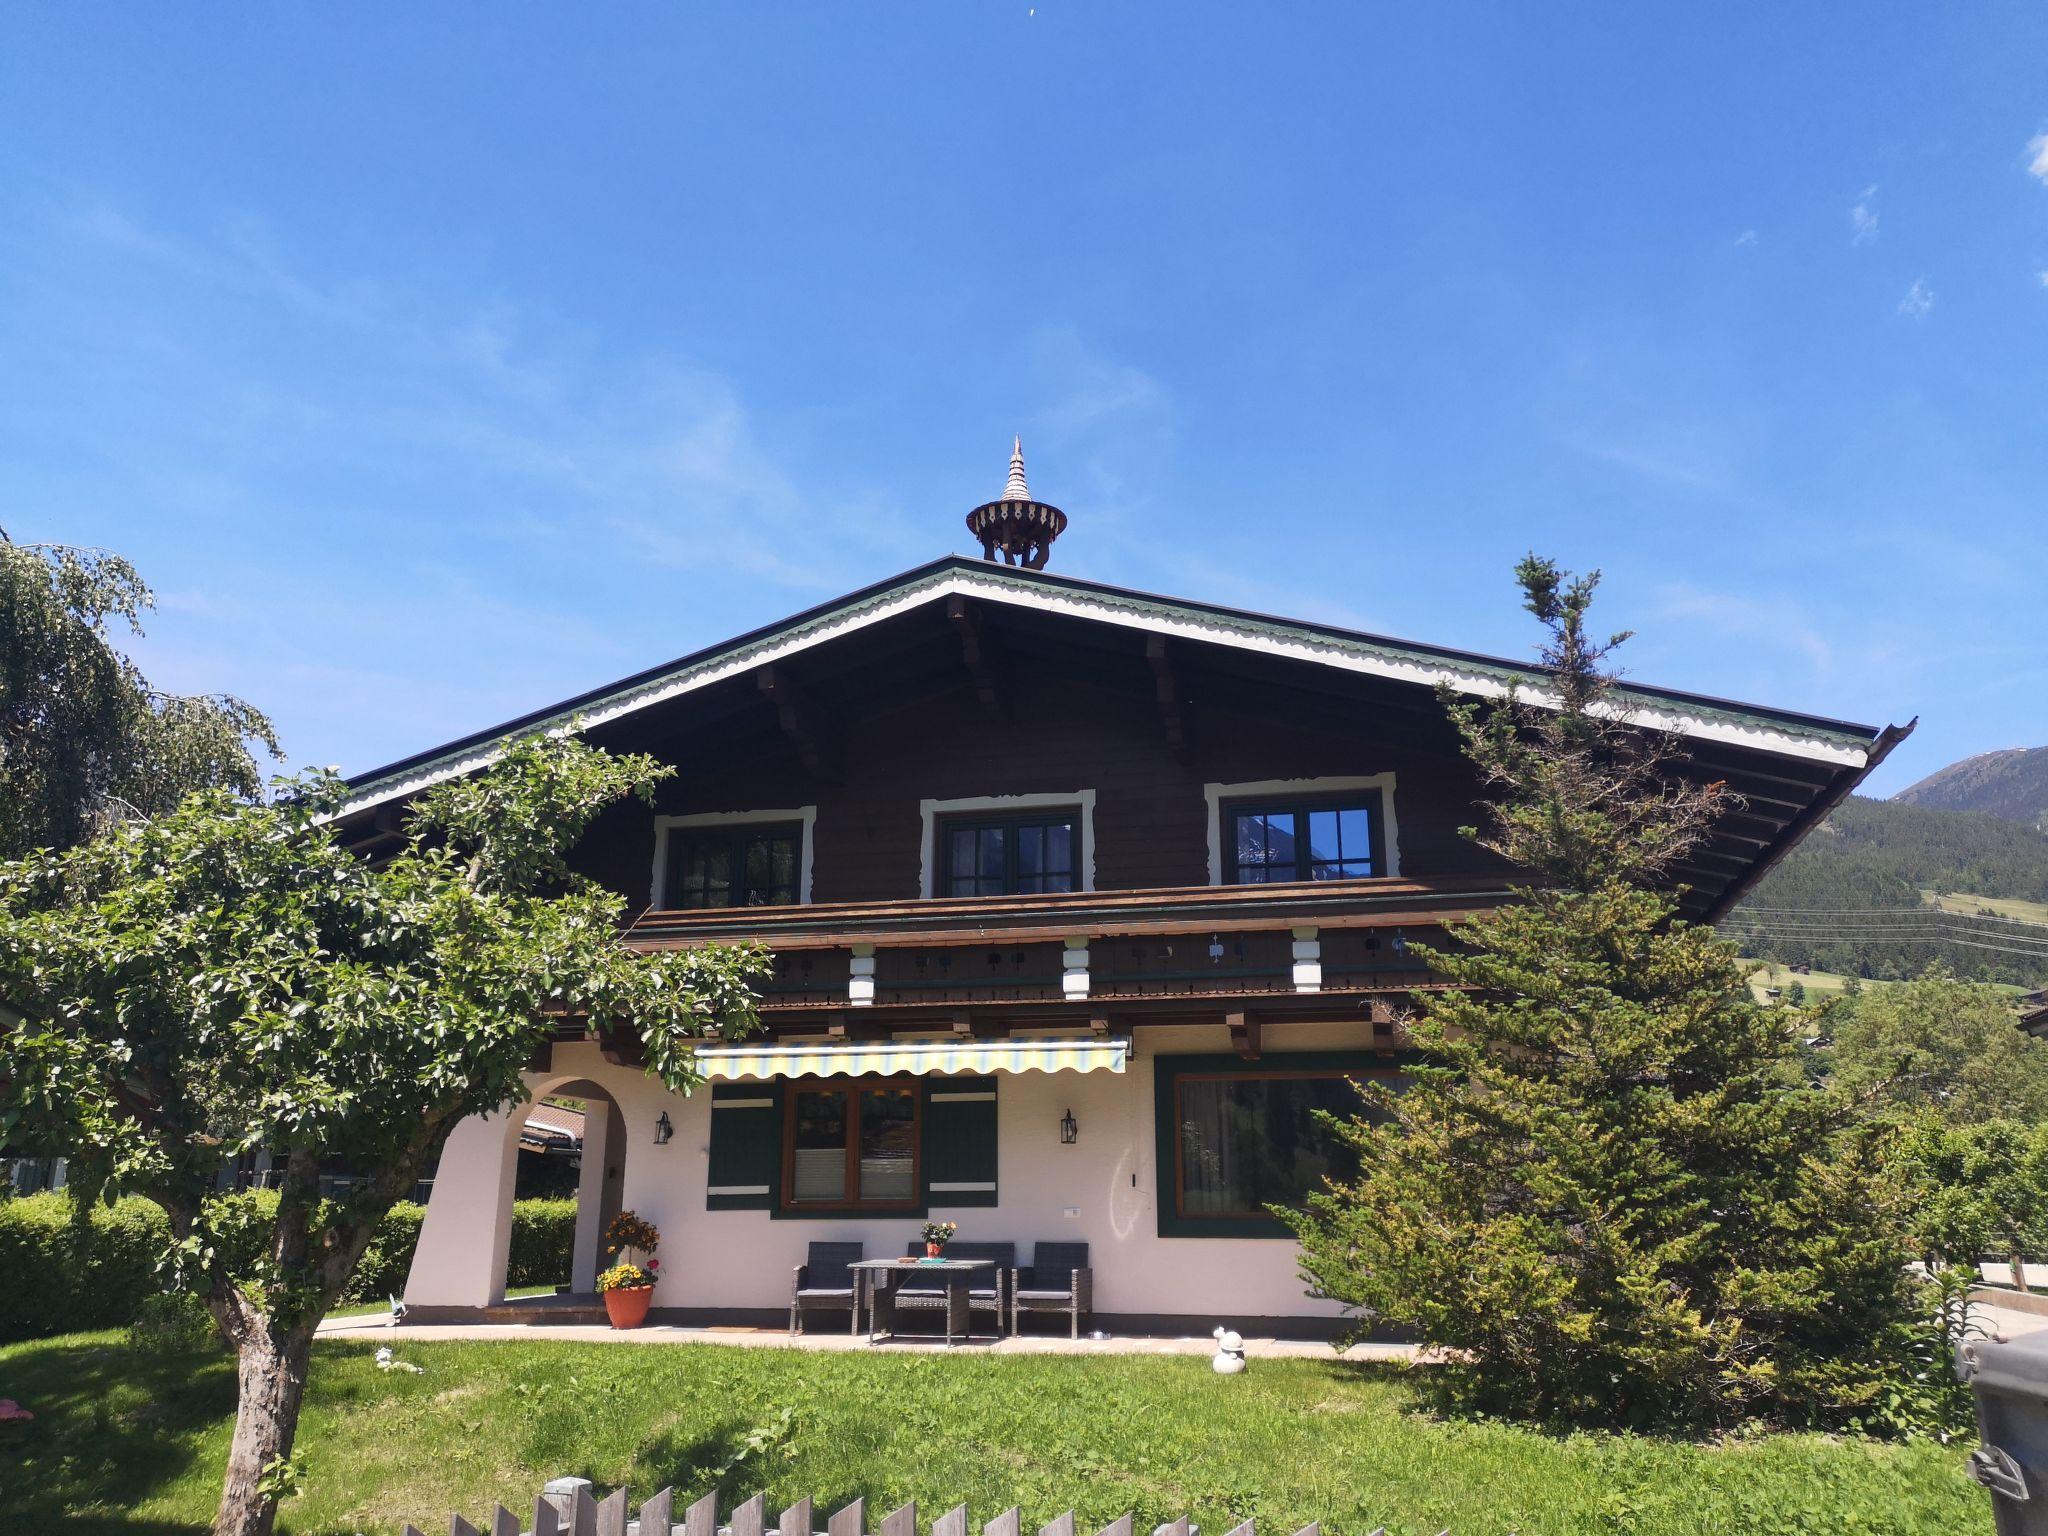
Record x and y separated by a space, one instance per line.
2019 1272
271 1365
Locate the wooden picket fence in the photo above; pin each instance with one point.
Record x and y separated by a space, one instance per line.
568 1509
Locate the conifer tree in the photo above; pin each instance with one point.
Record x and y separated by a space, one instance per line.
1608 1192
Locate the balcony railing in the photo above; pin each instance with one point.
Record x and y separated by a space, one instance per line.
1378 903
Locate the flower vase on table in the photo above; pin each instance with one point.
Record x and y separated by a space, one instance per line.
936 1235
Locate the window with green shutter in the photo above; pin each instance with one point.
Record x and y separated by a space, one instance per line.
960 1141
838 1147
746 1147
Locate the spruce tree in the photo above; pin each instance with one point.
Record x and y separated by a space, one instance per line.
1608 1194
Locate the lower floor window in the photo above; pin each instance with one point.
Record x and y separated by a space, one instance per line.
1246 1141
852 1146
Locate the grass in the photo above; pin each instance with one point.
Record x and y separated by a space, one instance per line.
132 1446
1819 982
1996 906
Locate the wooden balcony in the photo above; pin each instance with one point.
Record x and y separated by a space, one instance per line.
971 920
1318 947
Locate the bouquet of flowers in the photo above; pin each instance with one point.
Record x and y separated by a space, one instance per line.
937 1234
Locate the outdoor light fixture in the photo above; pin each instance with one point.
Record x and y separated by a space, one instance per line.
1070 1132
663 1130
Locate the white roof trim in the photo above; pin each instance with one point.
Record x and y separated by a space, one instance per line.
1210 629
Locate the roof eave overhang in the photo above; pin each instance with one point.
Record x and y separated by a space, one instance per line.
1834 743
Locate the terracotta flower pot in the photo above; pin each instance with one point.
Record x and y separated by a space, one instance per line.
934 1250
628 1309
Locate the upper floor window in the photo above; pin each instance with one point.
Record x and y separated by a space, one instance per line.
1009 856
1311 839
741 864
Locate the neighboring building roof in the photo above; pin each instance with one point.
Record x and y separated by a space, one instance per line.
1811 738
552 1125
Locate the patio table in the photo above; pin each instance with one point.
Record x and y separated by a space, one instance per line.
877 1275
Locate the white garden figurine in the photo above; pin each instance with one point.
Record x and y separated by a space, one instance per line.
1229 1359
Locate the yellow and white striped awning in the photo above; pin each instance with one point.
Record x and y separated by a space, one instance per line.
836 1058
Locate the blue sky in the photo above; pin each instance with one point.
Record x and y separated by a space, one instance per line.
437 362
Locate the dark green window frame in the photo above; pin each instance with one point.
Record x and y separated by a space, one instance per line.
1012 875
1298 810
1167 1071
734 838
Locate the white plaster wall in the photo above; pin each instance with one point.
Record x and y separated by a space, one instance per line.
743 1259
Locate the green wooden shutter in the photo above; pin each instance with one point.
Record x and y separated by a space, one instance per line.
959 1141
746 1147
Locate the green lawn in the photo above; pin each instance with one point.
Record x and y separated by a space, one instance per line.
134 1446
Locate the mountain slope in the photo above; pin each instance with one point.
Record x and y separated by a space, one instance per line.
2011 785
1872 857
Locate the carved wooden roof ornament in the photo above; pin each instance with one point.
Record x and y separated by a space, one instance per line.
1020 528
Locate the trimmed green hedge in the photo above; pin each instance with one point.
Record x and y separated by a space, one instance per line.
56 1283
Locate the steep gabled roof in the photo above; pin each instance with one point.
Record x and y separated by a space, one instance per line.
1835 744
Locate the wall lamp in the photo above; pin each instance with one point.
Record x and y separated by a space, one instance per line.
663 1130
1070 1131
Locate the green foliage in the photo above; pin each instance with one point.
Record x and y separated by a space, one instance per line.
83 736
171 1323
1609 1190
228 977
1938 1045
1879 855
543 1239
61 1275
1978 1191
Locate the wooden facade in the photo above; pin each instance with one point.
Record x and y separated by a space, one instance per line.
1147 726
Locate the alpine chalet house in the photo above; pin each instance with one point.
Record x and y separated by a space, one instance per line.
1082 902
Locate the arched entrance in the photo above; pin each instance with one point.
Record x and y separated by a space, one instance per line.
465 1252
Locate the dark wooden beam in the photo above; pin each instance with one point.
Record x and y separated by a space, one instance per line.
1172 711
1244 1035
974 651
805 725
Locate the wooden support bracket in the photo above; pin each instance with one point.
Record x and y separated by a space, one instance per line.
974 650
806 726
1244 1035
1172 702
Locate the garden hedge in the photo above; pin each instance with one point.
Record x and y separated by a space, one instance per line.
56 1281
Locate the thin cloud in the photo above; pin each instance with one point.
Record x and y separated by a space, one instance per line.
1753 621
1863 218
1746 240
2037 158
1919 300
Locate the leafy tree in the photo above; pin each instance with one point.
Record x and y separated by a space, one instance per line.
226 977
1940 1046
82 732
1608 1192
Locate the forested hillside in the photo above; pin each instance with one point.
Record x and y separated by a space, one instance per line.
2012 785
1850 897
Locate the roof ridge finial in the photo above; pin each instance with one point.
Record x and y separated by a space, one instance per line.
1015 526
1015 489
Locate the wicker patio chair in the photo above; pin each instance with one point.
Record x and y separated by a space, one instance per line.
823 1281
1058 1280
928 1292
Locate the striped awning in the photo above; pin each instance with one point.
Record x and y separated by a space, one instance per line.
833 1058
